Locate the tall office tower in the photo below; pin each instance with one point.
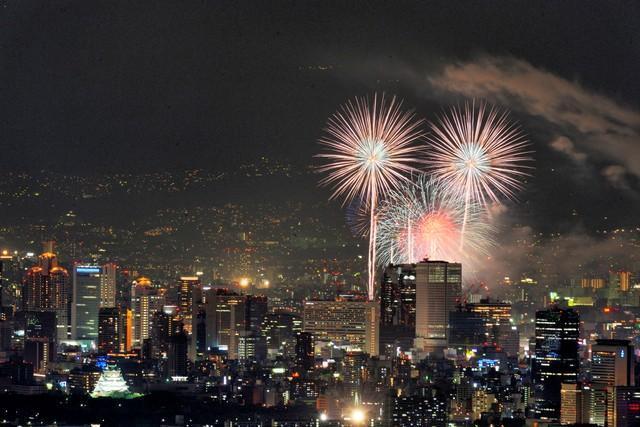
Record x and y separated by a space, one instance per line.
256 306
467 329
188 285
280 330
571 404
126 328
438 289
164 325
624 407
108 285
498 327
251 346
398 308
612 365
145 300
198 341
305 357
253 343
398 295
112 330
178 345
351 323
5 265
46 288
87 280
225 318
556 359
40 334
353 374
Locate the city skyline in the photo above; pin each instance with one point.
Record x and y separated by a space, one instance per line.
320 213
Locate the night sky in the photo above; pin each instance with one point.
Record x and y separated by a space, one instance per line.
102 87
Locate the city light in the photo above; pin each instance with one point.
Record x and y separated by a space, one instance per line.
187 196
358 416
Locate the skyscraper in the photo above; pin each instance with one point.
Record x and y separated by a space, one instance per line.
145 300
438 289
108 285
398 295
612 366
304 351
352 323
612 363
112 330
572 398
556 358
177 355
40 333
625 407
188 285
46 288
225 318
87 280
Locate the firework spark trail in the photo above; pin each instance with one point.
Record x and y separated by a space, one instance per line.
423 220
369 152
479 155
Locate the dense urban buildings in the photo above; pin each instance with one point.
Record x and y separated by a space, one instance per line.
426 351
320 214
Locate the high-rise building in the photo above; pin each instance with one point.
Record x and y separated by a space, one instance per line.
280 330
612 365
46 288
625 405
353 374
467 329
225 318
188 285
438 289
398 296
40 331
5 267
108 286
397 308
571 400
305 356
498 327
177 355
145 300
256 307
112 330
350 323
251 346
164 325
556 357
87 280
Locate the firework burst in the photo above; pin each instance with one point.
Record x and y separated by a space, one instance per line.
478 155
422 220
369 151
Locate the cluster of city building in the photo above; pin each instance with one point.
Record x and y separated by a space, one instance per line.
423 352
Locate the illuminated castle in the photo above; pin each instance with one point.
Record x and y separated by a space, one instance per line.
112 384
